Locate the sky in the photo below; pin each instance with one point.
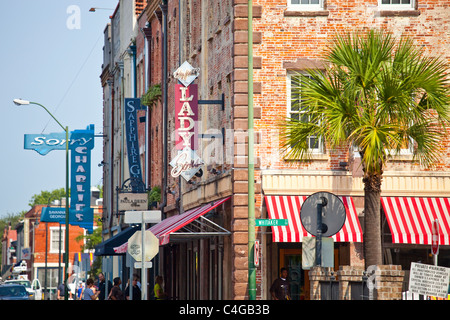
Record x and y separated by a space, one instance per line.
51 52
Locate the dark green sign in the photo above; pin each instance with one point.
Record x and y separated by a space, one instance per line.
271 222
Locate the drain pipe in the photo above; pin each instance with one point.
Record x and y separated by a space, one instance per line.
251 163
163 7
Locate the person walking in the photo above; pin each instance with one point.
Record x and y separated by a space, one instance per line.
280 288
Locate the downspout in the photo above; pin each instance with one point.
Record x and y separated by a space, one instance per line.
251 163
133 53
147 53
163 7
179 200
111 154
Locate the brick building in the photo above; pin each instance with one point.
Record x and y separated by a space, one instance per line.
288 37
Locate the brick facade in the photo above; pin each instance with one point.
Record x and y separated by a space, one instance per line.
213 36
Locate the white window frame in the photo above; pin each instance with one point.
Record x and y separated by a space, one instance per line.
305 7
409 6
403 152
54 232
320 147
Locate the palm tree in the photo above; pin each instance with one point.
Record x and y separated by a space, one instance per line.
377 95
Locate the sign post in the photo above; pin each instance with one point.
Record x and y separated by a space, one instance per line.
143 217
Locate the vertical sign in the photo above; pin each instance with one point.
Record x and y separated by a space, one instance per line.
134 162
186 116
186 163
81 144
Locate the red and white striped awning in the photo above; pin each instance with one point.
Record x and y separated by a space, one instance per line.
410 219
288 207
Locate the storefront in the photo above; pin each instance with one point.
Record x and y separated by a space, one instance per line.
284 244
193 249
191 252
407 230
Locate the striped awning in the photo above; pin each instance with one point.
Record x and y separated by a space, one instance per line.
189 224
410 219
288 207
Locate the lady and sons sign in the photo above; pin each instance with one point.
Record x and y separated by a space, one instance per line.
186 163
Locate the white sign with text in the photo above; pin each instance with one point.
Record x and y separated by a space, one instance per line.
429 280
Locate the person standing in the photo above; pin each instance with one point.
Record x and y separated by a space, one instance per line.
88 293
116 293
102 286
136 290
158 289
61 291
280 288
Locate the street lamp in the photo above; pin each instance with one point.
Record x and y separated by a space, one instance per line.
95 8
20 102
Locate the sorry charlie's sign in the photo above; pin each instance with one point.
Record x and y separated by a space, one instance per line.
81 143
186 163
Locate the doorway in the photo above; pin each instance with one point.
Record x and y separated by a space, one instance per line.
298 278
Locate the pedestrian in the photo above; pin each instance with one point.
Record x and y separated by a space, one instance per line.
79 291
60 292
138 280
88 293
136 290
116 293
280 288
102 286
158 289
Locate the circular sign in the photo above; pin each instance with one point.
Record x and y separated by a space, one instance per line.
332 212
435 237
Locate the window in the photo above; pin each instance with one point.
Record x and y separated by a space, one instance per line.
305 5
298 111
396 4
54 239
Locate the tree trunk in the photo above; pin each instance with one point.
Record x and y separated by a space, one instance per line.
372 222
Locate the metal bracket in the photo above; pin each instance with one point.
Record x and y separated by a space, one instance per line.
221 102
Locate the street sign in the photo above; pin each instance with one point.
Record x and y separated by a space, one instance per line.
257 248
150 216
271 222
435 237
135 246
147 265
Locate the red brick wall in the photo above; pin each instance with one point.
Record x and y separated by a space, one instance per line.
288 40
39 238
294 41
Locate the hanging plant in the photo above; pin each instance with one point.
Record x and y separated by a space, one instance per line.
154 196
152 95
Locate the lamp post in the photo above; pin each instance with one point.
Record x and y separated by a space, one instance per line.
20 102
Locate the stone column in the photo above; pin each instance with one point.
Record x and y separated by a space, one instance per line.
387 281
347 274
